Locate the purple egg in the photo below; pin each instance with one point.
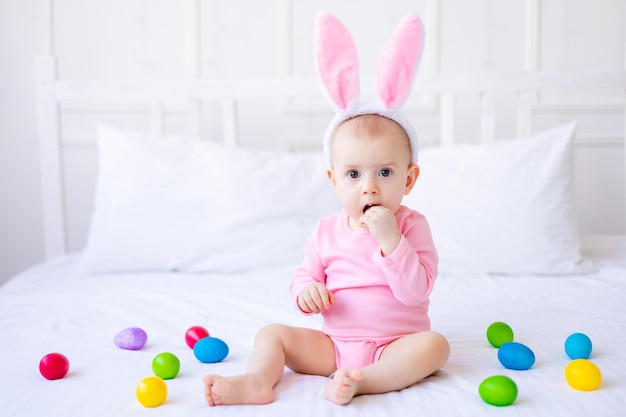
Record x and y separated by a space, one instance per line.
132 338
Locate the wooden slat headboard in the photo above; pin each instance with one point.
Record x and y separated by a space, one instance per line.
441 90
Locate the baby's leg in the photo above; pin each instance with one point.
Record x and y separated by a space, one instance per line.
403 363
302 350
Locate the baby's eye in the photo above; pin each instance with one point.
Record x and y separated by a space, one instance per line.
385 172
353 174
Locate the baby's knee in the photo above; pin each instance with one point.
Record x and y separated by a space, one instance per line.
439 345
271 332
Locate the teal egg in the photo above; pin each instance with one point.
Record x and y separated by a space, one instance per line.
498 390
578 346
210 350
516 356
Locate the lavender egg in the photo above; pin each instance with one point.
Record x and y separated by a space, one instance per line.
132 338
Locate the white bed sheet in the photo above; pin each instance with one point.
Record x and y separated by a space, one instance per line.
51 308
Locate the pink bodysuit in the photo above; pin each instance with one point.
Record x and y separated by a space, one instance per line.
377 299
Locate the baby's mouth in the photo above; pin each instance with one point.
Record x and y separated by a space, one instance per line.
367 207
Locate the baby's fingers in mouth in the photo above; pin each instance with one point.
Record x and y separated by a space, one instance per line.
367 207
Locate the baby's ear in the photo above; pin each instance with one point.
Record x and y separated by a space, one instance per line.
330 173
399 62
337 62
411 178
332 178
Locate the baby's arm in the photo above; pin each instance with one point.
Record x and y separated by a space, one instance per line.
412 268
315 298
308 289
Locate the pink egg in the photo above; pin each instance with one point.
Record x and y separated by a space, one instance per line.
132 338
194 334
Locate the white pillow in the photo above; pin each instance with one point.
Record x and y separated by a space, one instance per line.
506 207
191 205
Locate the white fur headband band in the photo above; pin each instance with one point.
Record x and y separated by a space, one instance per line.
338 70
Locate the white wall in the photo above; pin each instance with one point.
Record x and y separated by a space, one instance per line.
20 211
144 38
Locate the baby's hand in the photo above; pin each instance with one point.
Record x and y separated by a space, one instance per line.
315 298
382 224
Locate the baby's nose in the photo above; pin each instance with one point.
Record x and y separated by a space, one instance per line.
370 186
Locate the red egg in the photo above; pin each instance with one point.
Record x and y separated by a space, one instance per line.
54 366
194 334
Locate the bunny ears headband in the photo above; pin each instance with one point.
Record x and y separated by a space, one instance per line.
338 70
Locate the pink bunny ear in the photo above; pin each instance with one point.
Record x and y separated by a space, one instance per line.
337 61
399 61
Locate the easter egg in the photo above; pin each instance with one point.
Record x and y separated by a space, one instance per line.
498 390
151 391
54 366
583 375
194 334
165 365
578 346
210 350
132 338
516 356
499 333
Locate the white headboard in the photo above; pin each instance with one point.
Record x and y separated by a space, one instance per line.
435 95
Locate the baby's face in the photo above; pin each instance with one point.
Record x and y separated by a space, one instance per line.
371 164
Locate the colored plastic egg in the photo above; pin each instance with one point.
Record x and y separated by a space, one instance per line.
210 350
194 334
54 366
132 338
583 375
151 391
166 365
498 390
516 356
499 333
578 346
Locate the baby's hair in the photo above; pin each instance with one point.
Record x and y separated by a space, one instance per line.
373 124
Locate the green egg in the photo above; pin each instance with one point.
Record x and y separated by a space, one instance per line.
498 390
499 333
166 365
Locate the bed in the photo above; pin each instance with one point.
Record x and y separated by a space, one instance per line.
52 308
186 231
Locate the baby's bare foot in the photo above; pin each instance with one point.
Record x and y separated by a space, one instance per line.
343 387
240 389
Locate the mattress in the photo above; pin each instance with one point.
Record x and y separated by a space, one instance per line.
54 308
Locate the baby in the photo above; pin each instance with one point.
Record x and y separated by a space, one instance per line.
368 270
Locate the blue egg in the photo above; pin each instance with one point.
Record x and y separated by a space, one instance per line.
516 356
578 346
210 350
